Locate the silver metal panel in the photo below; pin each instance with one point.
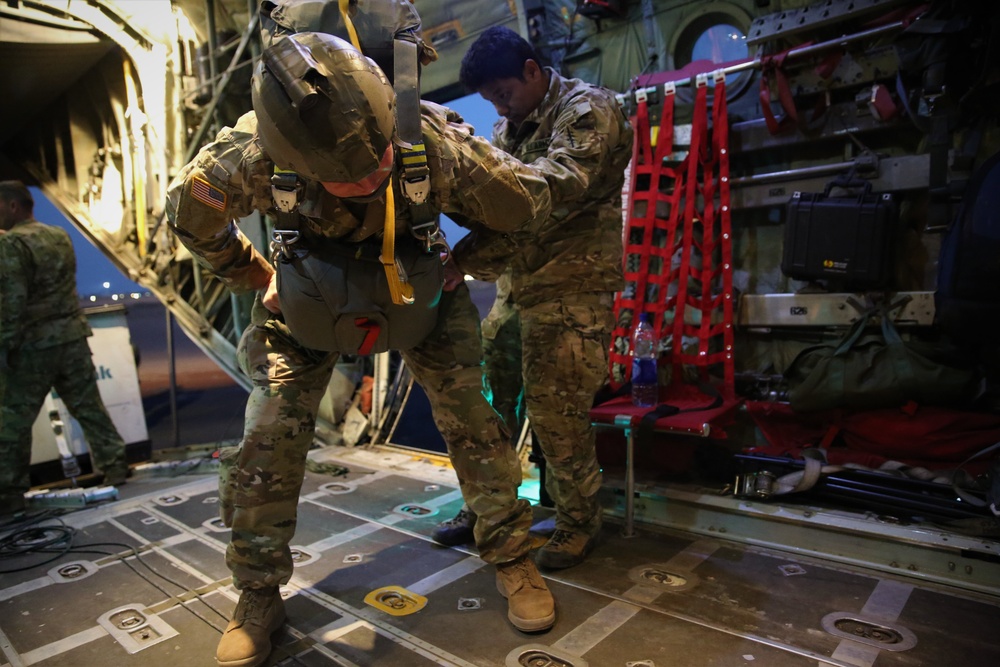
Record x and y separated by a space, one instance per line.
824 310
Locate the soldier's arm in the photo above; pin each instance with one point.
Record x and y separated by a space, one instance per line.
483 183
203 203
13 293
588 136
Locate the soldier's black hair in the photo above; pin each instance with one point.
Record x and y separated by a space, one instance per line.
16 191
498 53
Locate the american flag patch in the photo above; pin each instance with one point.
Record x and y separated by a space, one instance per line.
203 191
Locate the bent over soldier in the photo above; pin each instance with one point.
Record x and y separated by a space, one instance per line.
318 151
43 345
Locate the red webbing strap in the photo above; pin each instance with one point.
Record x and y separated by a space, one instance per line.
691 218
774 64
646 256
720 129
704 311
634 265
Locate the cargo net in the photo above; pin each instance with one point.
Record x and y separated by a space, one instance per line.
678 245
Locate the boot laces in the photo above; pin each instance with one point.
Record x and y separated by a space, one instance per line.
253 603
464 518
521 571
560 538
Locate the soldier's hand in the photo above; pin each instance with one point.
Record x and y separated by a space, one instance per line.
453 276
270 298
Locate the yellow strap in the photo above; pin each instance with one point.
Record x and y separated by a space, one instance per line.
344 4
400 290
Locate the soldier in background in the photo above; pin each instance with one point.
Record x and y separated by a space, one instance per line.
43 345
326 113
562 278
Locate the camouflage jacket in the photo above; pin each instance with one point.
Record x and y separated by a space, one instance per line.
231 177
39 307
581 141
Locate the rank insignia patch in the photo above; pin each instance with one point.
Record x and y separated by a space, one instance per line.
203 191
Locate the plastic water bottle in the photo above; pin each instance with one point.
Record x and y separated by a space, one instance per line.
645 392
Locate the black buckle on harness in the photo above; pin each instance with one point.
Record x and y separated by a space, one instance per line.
285 189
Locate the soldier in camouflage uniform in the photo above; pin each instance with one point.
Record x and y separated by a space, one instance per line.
43 344
564 274
232 177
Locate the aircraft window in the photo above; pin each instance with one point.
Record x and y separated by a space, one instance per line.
720 43
717 36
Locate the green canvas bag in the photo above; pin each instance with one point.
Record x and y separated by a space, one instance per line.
874 370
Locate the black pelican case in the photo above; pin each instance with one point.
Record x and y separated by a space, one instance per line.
846 240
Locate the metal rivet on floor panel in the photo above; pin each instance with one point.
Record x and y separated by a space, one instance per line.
170 500
470 604
135 629
301 555
868 631
337 487
414 510
74 571
661 577
395 600
538 655
215 525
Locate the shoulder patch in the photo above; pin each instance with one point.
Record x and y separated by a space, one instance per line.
207 194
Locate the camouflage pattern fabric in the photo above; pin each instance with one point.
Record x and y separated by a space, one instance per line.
261 479
43 337
564 344
580 141
562 278
502 351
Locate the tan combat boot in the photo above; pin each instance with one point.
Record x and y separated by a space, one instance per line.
530 606
247 639
565 549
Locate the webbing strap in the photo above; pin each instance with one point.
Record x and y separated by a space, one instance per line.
678 242
349 24
773 65
400 290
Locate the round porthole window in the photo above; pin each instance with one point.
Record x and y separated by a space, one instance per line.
716 34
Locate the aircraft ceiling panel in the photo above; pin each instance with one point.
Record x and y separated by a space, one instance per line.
451 26
34 75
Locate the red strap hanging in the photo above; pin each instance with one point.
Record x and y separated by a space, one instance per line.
678 245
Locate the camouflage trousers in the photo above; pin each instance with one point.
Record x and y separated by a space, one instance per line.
561 356
261 479
69 369
502 352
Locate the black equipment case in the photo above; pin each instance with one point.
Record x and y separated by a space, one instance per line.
846 239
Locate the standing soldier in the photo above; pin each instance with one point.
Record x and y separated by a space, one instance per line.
43 344
563 276
319 152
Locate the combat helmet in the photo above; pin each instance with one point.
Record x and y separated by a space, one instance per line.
323 109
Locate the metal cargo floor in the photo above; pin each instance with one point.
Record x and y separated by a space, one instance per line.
661 598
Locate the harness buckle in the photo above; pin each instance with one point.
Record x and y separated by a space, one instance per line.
285 189
430 234
282 241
